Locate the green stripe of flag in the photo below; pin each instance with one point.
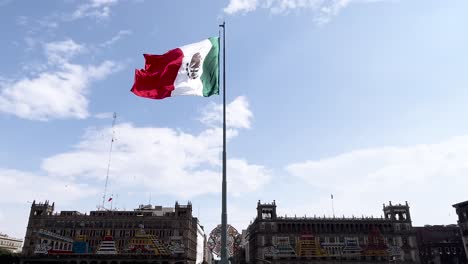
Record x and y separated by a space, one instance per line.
210 73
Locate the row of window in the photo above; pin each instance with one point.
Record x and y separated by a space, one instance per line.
362 240
116 233
116 224
55 245
347 258
440 250
10 243
327 227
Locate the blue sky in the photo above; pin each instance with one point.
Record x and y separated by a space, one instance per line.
363 99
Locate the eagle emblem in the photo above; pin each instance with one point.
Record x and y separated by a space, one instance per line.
193 67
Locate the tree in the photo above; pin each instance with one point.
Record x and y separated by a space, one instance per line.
8 257
5 252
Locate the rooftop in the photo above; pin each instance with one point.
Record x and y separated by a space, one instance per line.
336 218
142 210
462 204
5 236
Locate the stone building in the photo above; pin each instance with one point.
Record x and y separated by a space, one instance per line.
10 243
439 244
462 212
279 239
145 235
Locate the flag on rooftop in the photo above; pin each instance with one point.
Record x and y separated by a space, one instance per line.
189 70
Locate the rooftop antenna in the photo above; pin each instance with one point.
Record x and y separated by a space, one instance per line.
108 164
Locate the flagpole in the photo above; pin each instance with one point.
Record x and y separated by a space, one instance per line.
224 251
333 207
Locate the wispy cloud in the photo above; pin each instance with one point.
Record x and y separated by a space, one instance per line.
41 27
48 24
22 20
106 115
62 51
121 34
60 90
94 8
324 9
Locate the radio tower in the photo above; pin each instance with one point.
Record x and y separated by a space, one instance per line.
108 164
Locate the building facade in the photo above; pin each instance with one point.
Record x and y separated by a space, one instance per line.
462 212
440 244
275 239
147 234
10 243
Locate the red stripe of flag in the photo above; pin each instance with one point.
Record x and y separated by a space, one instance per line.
156 80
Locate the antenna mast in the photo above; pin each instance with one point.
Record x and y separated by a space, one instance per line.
108 164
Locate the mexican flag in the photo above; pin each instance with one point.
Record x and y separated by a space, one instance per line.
189 70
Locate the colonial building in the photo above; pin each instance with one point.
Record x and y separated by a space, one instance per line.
10 243
440 244
147 235
279 239
462 212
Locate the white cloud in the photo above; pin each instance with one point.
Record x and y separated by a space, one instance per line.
245 177
94 8
236 6
431 177
163 160
20 187
62 51
158 160
238 114
325 9
59 90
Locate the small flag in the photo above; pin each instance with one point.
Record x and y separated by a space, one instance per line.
189 70
332 196
110 199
